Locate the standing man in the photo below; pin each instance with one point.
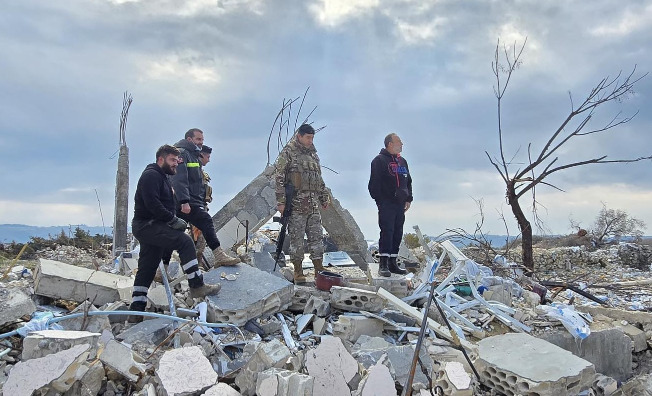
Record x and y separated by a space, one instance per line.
204 159
390 185
298 165
190 191
157 228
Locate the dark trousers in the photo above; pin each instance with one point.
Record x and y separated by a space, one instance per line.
200 218
391 217
154 238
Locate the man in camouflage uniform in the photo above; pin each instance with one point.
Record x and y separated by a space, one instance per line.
298 164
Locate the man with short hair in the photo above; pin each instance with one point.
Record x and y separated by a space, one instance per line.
390 185
157 228
298 165
190 191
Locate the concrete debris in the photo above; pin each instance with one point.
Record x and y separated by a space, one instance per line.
454 379
123 360
14 304
378 382
185 371
94 324
355 300
278 382
317 306
350 328
637 386
519 370
68 282
46 342
151 332
221 389
333 368
58 370
272 354
604 386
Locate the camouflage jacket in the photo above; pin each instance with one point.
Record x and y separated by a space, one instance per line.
299 165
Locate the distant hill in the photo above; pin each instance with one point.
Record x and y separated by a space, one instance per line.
21 233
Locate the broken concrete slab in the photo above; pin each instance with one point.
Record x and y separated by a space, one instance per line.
267 355
90 382
355 300
14 304
185 371
378 382
609 350
454 380
152 331
632 317
350 328
158 297
302 294
32 375
123 360
221 389
279 382
638 337
255 293
317 306
332 366
400 361
638 386
94 324
68 282
604 386
41 343
519 370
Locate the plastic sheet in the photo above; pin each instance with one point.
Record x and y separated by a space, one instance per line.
571 320
38 322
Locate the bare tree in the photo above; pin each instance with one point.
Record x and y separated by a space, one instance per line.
615 223
544 162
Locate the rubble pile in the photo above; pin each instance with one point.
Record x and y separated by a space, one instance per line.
483 334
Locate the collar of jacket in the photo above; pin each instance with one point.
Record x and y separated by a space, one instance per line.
184 144
154 166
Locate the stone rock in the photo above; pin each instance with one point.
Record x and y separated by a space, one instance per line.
58 370
123 360
355 300
152 332
278 382
639 339
519 370
221 389
14 304
454 380
68 282
94 324
638 386
332 367
604 386
317 306
185 371
378 382
351 327
90 383
267 355
46 342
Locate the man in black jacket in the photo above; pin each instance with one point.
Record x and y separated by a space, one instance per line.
190 191
390 185
157 228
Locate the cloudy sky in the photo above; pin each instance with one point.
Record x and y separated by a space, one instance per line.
416 67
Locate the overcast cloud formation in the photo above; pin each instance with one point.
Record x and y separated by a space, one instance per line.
419 68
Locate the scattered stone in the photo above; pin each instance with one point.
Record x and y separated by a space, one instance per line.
56 370
94 324
68 282
604 386
185 371
123 360
639 339
267 355
90 382
152 332
278 382
14 304
351 327
317 306
454 380
221 389
355 300
332 367
378 382
46 342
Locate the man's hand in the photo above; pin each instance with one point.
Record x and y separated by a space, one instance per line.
185 208
280 208
178 224
407 206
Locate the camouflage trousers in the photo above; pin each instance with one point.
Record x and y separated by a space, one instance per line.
308 224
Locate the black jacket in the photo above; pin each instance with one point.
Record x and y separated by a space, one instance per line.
154 199
188 182
390 178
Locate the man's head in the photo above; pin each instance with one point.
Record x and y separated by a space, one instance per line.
167 157
195 136
393 144
205 155
305 135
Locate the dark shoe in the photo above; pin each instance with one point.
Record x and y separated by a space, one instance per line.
394 268
135 318
204 290
383 267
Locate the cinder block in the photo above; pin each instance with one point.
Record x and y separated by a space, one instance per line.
351 327
356 300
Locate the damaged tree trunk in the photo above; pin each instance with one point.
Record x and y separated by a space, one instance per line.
524 227
121 211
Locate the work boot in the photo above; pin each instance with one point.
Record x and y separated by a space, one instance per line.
204 290
394 268
383 267
223 259
137 307
318 264
299 277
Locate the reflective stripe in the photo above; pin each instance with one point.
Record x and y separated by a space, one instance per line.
193 275
139 298
140 289
192 164
393 255
190 264
384 255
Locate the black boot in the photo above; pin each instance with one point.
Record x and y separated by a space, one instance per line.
383 269
394 268
137 306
